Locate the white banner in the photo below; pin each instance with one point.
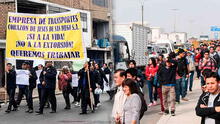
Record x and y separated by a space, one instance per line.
22 77
75 80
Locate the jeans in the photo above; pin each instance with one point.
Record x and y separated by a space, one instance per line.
180 88
30 99
190 80
152 96
169 92
66 92
11 94
198 72
202 81
22 91
45 94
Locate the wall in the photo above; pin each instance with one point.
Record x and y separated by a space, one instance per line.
4 9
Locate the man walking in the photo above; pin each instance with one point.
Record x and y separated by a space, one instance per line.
48 81
167 77
10 87
181 75
32 85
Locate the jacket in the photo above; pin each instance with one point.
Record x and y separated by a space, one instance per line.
49 77
167 75
83 75
210 111
102 77
64 81
197 59
11 80
32 79
150 71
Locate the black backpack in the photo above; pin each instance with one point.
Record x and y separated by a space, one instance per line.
143 105
181 66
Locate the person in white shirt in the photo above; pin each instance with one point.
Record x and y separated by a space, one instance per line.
120 97
208 106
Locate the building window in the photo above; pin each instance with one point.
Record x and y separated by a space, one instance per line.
102 3
84 22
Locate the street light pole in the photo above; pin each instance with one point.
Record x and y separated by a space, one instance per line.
174 25
142 12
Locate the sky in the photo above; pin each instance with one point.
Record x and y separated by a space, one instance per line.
192 16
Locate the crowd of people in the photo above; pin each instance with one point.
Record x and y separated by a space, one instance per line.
169 79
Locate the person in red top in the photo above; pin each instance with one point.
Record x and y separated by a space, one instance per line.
198 56
64 80
150 72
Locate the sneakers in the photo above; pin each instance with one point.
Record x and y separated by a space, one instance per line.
99 104
185 99
77 104
172 113
151 104
154 103
166 112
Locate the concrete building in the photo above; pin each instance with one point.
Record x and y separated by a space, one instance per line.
178 37
155 33
95 17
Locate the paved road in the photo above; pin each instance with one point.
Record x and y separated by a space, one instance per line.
101 116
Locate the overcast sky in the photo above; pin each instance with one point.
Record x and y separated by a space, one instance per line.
193 16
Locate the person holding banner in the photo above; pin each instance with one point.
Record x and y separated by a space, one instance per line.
86 85
23 82
48 81
64 80
32 85
10 86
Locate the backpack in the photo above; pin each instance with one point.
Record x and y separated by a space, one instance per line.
143 105
181 66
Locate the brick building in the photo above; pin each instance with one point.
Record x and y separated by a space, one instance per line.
95 17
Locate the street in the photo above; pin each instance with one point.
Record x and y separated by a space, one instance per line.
101 116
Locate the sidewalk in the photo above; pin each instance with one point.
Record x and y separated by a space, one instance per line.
185 111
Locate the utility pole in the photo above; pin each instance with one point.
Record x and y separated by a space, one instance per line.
142 13
174 25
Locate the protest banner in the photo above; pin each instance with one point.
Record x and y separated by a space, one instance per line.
75 80
22 77
55 37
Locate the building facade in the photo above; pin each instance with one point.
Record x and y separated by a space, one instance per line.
95 18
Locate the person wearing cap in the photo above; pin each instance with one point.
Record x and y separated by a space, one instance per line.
181 75
167 78
23 89
48 81
64 80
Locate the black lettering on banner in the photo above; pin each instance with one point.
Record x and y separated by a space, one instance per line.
29 44
42 20
30 36
20 43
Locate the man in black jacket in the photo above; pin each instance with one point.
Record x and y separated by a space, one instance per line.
48 81
11 86
167 77
32 85
86 86
208 106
